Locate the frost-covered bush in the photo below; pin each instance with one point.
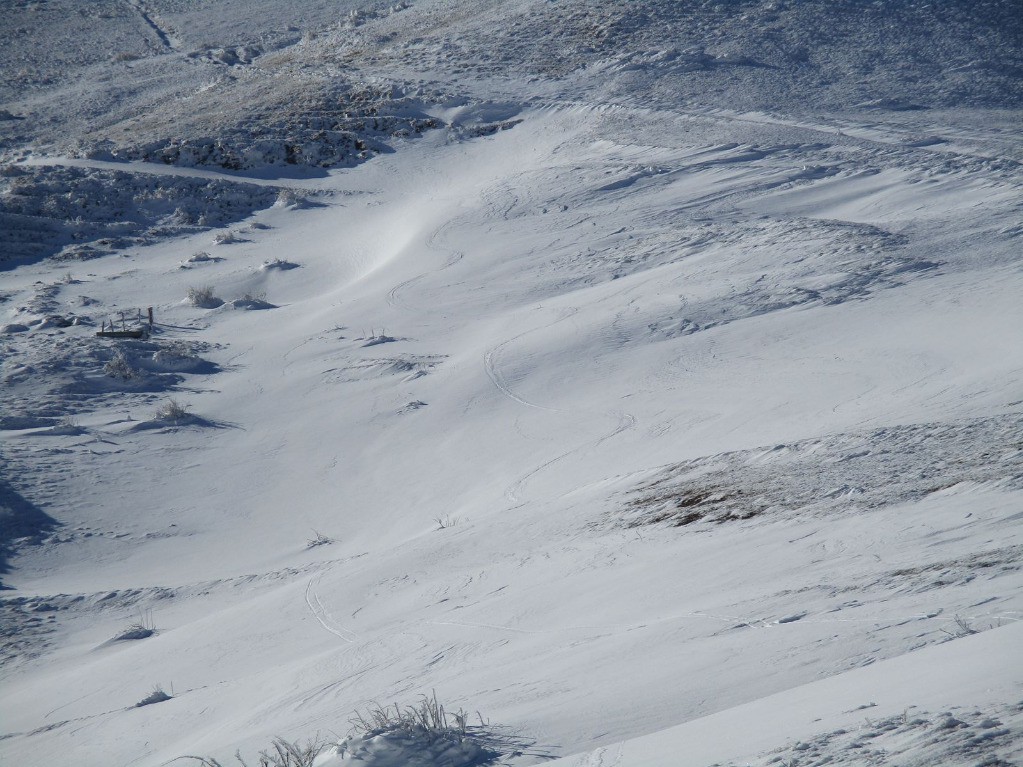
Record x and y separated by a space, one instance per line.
177 358
172 412
119 367
252 301
202 296
318 539
282 753
427 718
143 628
289 198
67 426
279 264
423 735
225 238
156 696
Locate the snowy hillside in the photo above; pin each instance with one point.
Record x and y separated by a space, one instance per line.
640 381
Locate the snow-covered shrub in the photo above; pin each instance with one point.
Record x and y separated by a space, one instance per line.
202 296
172 412
318 539
137 630
84 213
177 358
143 628
428 717
423 735
201 257
156 696
281 754
278 263
252 301
66 426
289 198
119 367
133 632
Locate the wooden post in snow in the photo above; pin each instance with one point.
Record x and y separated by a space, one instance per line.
150 316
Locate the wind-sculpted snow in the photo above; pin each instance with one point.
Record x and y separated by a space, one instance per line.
835 475
954 738
642 377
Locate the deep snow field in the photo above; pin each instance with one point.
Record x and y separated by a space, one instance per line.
643 379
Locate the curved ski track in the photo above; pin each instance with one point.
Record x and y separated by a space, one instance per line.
323 616
394 294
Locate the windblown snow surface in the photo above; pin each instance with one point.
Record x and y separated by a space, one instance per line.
643 378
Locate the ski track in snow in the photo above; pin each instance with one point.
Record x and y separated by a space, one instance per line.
626 421
490 365
395 296
490 360
322 615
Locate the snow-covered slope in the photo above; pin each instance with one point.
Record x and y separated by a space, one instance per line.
661 405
